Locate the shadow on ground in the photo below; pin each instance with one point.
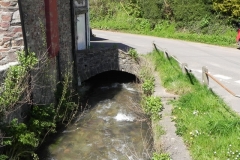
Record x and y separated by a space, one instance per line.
97 42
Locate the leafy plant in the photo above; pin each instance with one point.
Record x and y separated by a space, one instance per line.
148 86
152 106
68 101
3 157
16 81
21 141
42 121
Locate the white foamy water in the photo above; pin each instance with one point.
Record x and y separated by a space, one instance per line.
106 106
116 135
128 88
124 117
105 118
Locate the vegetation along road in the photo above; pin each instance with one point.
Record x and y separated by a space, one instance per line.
222 62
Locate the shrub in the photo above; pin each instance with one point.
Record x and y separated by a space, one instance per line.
228 8
148 86
16 81
152 106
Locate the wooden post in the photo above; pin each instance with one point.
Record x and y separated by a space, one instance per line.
184 70
166 54
205 78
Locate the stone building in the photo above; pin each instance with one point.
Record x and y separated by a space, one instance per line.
59 27
55 28
11 38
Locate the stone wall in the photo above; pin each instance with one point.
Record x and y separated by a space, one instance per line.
35 25
65 37
96 61
11 38
45 76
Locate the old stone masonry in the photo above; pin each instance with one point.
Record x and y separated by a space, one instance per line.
11 39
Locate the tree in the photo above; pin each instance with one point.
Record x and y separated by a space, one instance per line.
229 8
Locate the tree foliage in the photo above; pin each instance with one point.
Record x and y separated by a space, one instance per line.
188 12
191 16
228 7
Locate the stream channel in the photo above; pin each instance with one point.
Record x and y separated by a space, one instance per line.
113 128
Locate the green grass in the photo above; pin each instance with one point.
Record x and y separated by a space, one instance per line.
120 21
209 128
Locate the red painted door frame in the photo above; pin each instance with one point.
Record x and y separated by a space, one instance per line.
52 31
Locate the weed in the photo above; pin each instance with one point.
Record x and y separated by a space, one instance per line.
161 156
16 81
148 87
159 130
152 106
133 53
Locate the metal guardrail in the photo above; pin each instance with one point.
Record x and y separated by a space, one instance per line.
205 73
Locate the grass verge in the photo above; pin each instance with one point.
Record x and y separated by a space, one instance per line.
208 126
125 23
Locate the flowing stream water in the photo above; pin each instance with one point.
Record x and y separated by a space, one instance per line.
113 128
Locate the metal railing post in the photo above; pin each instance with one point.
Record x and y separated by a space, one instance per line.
205 78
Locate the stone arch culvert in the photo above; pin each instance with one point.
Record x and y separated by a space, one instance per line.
95 61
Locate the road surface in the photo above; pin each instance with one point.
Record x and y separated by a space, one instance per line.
222 62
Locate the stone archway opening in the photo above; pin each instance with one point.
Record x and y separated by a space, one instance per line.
106 78
113 76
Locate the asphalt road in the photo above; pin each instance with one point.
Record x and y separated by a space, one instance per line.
222 62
